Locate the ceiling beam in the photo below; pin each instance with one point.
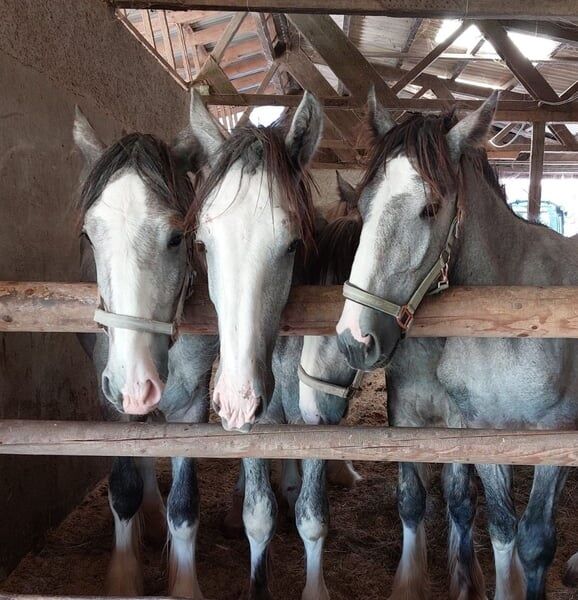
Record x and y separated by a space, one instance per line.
342 56
414 28
473 9
526 73
508 110
426 61
306 74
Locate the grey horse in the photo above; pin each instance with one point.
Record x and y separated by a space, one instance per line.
414 399
134 197
133 200
433 210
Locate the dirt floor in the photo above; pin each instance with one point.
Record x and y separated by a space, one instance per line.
361 554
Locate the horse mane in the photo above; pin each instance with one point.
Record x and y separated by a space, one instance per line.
337 243
152 160
264 146
422 138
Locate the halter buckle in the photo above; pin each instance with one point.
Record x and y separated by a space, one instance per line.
444 281
405 318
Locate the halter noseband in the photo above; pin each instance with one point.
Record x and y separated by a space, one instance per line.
107 319
346 392
404 314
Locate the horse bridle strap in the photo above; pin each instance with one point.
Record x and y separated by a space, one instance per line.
108 319
403 314
331 388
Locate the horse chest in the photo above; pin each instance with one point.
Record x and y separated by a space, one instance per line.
504 382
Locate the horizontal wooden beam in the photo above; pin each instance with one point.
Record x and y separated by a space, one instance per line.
508 110
56 438
461 311
473 9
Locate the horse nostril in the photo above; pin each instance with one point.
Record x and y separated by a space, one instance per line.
260 408
106 387
370 343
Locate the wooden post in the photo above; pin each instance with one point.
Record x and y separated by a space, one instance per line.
536 171
290 441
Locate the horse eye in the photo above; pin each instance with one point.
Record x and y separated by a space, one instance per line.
176 240
293 246
430 211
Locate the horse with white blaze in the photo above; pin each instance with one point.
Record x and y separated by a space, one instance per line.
133 202
433 212
255 216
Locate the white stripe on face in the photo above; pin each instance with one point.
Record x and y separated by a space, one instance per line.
246 235
117 225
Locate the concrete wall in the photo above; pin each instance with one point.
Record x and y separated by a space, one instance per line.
53 55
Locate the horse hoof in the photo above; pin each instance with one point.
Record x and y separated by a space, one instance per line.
570 578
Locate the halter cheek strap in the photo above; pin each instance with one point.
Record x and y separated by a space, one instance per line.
346 392
404 313
108 319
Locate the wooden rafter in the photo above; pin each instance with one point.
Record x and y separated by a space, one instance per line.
228 34
356 73
415 26
166 38
532 80
462 64
345 122
475 9
425 62
508 110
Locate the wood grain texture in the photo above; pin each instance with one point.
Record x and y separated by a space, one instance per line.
290 441
479 9
548 312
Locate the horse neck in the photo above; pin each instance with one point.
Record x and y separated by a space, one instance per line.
495 247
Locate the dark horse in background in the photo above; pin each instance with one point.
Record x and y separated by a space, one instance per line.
428 189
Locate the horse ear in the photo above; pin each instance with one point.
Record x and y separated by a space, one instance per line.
473 130
380 120
305 131
346 192
202 134
86 139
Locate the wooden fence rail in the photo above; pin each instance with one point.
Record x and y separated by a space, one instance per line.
290 441
547 312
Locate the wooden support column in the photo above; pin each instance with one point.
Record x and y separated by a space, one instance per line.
536 171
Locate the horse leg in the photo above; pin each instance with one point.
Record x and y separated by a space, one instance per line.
342 472
502 525
183 519
153 508
233 522
312 517
125 495
570 577
537 528
259 518
411 579
290 483
466 578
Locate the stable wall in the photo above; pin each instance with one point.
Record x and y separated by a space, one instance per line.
54 55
